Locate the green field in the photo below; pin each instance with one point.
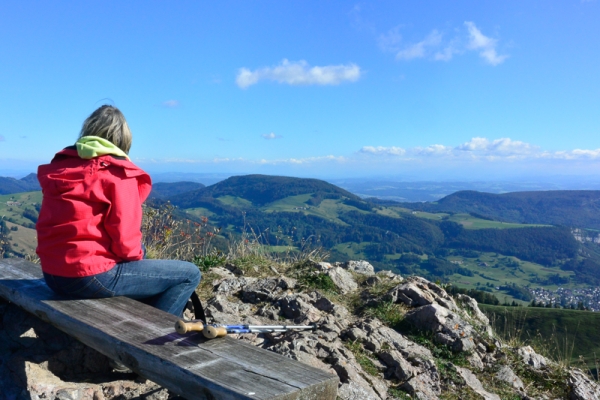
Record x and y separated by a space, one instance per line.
234 201
13 205
200 212
563 335
328 209
23 240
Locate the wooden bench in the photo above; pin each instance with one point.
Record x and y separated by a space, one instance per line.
144 339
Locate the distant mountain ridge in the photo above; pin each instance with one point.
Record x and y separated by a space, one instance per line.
573 208
163 190
26 184
262 189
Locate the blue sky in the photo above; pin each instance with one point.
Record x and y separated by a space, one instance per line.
423 90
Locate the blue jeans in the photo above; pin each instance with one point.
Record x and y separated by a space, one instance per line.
164 284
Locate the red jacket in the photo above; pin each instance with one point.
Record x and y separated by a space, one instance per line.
91 213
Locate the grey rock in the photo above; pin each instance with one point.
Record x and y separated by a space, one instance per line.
448 327
389 275
298 308
350 372
424 386
260 290
360 267
353 391
582 387
474 383
530 357
506 374
401 368
233 285
342 279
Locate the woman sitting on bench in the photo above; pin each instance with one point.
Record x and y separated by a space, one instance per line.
89 227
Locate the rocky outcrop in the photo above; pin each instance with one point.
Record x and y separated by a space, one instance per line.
384 336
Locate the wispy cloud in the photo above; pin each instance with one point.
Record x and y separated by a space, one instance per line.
380 150
299 73
171 104
437 47
479 148
485 45
476 158
303 160
502 146
420 49
390 41
271 136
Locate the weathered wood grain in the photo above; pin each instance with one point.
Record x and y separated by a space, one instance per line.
144 339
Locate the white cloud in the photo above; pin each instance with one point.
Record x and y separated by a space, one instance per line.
380 150
271 136
299 73
486 45
499 146
449 50
577 154
433 150
435 47
420 49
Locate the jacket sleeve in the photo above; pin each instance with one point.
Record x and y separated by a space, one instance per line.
124 219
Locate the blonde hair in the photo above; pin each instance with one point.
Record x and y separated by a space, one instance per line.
109 123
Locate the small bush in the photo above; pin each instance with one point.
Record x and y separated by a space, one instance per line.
318 281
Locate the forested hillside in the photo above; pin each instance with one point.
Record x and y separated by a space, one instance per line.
12 185
163 190
447 246
263 189
572 208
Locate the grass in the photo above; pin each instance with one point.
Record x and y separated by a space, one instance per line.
15 212
363 357
568 337
24 240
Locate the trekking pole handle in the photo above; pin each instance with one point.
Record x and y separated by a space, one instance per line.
212 332
182 326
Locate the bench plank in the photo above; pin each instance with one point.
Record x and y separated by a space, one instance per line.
144 339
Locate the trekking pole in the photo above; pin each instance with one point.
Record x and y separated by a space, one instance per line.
214 331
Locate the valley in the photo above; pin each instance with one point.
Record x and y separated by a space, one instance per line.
512 259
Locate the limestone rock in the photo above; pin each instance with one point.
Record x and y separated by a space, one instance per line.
506 374
353 391
416 291
582 387
448 327
266 289
474 383
530 357
342 279
360 267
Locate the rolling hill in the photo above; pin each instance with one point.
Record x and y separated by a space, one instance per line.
260 190
572 208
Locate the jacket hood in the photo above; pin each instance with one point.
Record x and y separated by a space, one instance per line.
68 170
93 146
